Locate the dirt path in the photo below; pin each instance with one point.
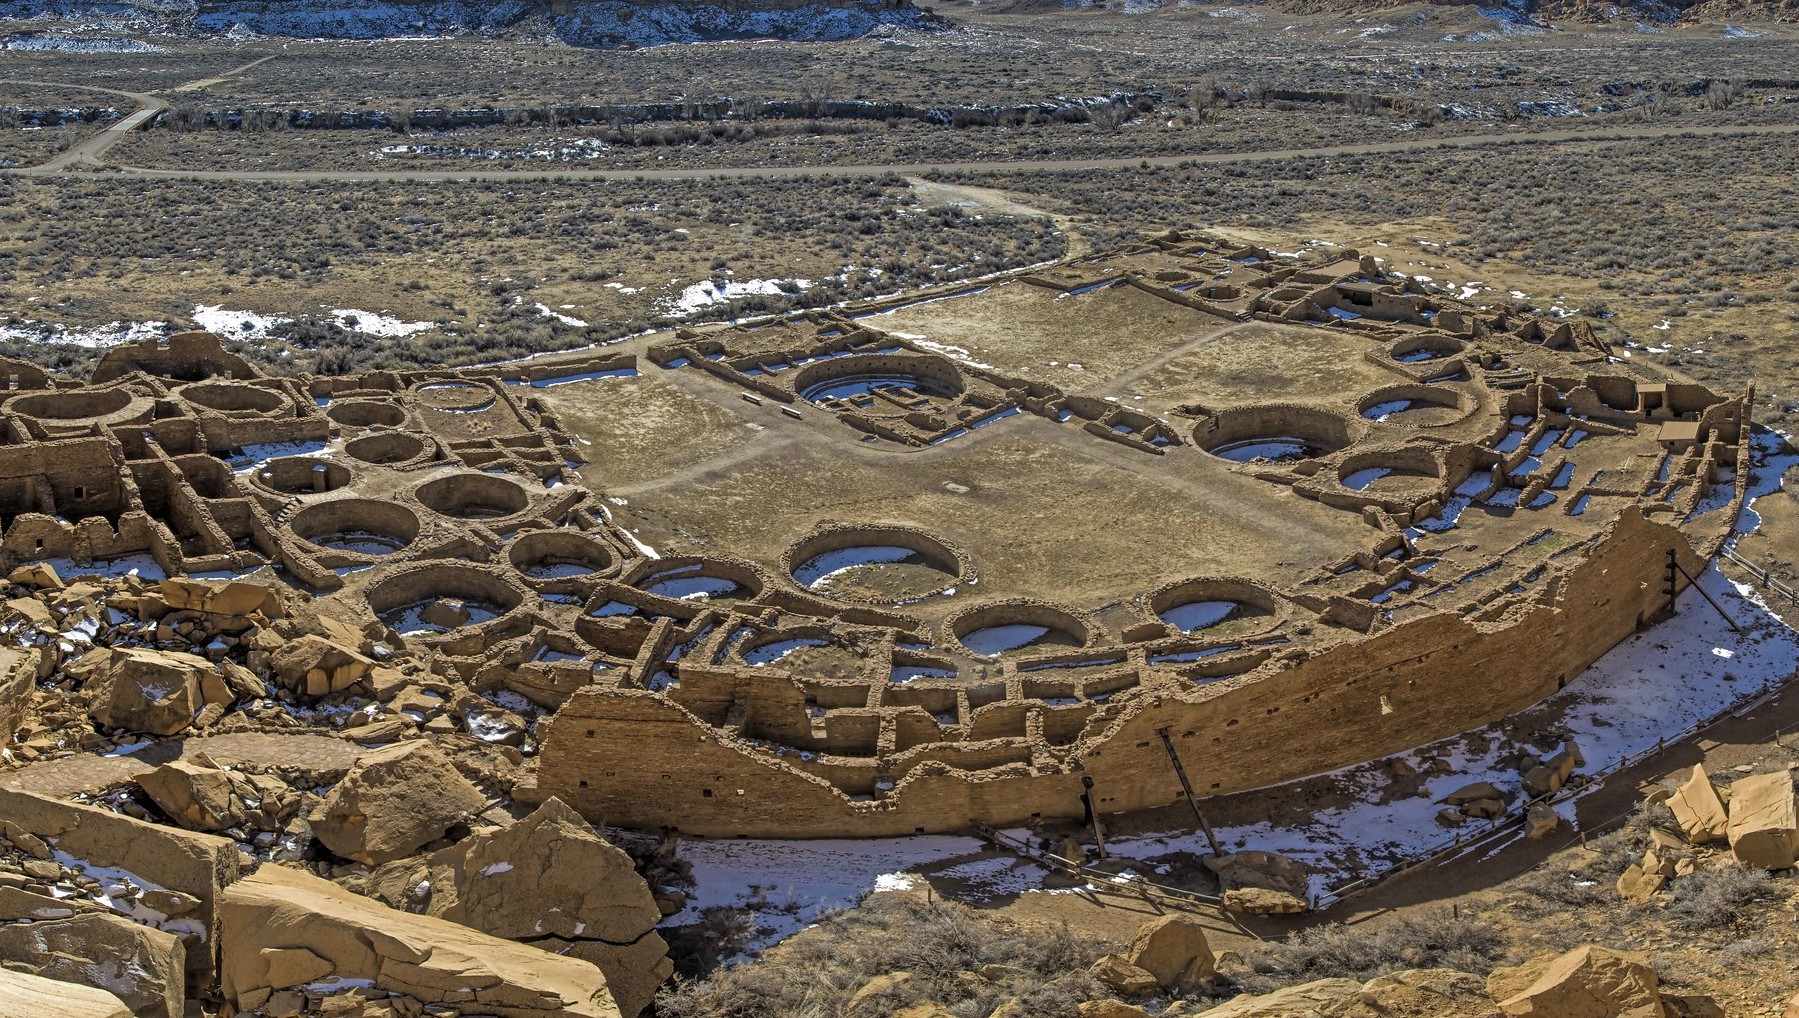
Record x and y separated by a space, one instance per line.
195 86
96 146
990 199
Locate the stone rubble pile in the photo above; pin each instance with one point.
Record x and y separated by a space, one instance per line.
363 859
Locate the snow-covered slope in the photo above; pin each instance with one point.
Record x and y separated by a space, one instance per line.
579 22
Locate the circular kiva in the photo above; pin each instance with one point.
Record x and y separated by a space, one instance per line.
1011 627
1418 349
76 405
857 378
367 413
1274 432
362 526
1406 470
235 397
1216 605
698 579
386 447
875 564
558 554
473 496
301 475
440 597
455 397
1418 406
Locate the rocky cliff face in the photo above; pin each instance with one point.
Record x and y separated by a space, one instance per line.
603 23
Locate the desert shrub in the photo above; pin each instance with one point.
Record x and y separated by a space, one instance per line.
1436 939
1712 899
942 945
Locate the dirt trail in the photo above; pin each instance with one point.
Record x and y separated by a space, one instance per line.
107 138
989 199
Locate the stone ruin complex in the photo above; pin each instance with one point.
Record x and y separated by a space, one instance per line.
394 554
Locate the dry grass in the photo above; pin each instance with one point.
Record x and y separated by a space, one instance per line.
942 945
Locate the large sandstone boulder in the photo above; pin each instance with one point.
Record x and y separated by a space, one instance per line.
1587 982
1174 950
393 802
552 881
1260 869
144 967
220 597
315 666
1698 809
23 995
155 692
1764 826
280 925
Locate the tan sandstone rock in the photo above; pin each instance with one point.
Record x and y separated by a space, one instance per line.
23 995
550 880
150 691
1174 950
18 675
1698 809
1540 821
1307 1000
1262 901
394 801
1587 982
1123 977
1111 1009
278 910
317 667
1764 827
144 967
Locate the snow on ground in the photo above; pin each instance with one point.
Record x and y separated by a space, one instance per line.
374 324
790 883
236 324
126 565
97 338
256 325
1651 686
704 294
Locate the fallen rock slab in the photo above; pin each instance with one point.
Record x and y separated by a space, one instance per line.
1764 826
144 967
1698 809
268 916
23 995
1587 982
393 802
552 881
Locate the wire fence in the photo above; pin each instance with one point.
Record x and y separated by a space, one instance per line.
1178 898
1517 817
